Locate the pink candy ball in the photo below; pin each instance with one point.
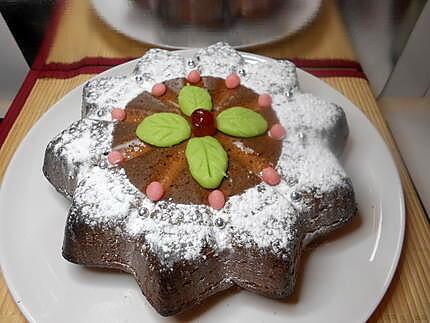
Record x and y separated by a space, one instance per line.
271 176
216 199
155 191
158 89
277 131
265 100
232 81
115 157
118 114
193 77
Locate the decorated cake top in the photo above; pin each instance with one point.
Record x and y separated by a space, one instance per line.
206 157
304 179
193 131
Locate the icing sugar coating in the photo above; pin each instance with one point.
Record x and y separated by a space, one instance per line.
74 150
275 218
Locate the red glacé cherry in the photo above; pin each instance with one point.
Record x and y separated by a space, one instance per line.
203 123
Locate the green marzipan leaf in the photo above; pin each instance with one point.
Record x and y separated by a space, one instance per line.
241 122
192 98
163 129
207 161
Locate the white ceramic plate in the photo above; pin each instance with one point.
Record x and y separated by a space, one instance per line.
127 17
342 280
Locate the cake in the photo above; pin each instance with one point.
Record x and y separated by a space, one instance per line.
213 13
199 173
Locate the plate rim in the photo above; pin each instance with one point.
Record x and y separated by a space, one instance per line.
402 211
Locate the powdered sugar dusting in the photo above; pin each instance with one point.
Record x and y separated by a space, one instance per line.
82 143
218 60
136 144
183 235
169 65
272 218
102 95
306 112
263 220
110 203
242 147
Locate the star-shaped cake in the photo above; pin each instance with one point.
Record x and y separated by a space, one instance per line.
189 216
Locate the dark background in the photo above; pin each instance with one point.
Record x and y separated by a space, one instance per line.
27 21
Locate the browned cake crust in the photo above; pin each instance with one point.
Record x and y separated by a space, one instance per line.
172 290
179 249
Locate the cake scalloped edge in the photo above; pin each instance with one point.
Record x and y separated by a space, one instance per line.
274 220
